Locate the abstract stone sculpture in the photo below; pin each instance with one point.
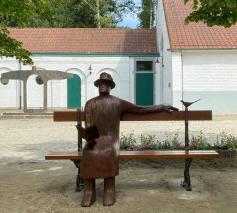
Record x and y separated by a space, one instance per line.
100 155
42 75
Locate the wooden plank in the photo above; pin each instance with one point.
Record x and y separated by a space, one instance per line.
63 156
162 116
67 116
166 116
151 154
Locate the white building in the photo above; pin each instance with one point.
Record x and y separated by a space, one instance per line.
197 61
128 55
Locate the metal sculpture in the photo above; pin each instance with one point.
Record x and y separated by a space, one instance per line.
186 183
100 155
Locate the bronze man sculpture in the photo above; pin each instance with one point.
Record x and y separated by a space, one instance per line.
100 155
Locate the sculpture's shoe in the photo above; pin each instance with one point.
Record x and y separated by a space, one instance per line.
109 191
109 198
88 199
89 193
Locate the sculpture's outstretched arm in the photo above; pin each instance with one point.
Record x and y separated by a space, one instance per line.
129 107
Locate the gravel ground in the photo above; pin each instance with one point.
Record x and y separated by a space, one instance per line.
28 183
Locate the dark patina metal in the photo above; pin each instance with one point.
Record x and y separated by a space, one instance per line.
78 126
79 180
100 156
186 183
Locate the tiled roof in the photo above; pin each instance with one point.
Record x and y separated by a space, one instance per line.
195 35
86 40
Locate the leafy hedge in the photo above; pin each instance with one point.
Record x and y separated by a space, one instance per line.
223 141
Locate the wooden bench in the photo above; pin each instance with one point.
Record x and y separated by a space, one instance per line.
188 155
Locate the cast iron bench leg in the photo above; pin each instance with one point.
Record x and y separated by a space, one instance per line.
186 183
79 180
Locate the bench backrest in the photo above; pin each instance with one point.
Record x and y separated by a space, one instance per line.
161 116
79 116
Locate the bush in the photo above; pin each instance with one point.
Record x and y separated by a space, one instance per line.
127 141
148 142
174 142
200 142
226 142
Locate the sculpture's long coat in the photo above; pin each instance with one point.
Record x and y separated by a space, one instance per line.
100 157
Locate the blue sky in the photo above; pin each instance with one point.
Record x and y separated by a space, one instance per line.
131 20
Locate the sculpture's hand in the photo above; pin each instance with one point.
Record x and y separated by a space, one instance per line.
169 108
91 144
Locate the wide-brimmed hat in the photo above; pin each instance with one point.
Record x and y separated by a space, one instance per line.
105 78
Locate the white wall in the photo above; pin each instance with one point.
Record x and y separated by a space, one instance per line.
210 71
165 67
207 74
131 79
121 69
9 94
177 82
192 74
34 93
55 90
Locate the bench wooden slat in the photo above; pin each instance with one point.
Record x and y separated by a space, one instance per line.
140 154
162 116
67 116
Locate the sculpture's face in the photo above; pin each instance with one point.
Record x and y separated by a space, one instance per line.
104 88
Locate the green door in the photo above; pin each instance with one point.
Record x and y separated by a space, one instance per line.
144 82
144 89
74 92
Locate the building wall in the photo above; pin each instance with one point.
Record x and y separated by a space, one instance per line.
165 65
177 82
121 68
9 94
34 93
209 75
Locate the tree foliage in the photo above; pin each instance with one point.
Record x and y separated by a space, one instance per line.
80 13
213 12
14 12
210 12
10 47
147 14
55 13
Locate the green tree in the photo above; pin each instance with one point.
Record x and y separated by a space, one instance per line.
213 12
10 47
55 13
83 13
65 13
147 14
14 12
